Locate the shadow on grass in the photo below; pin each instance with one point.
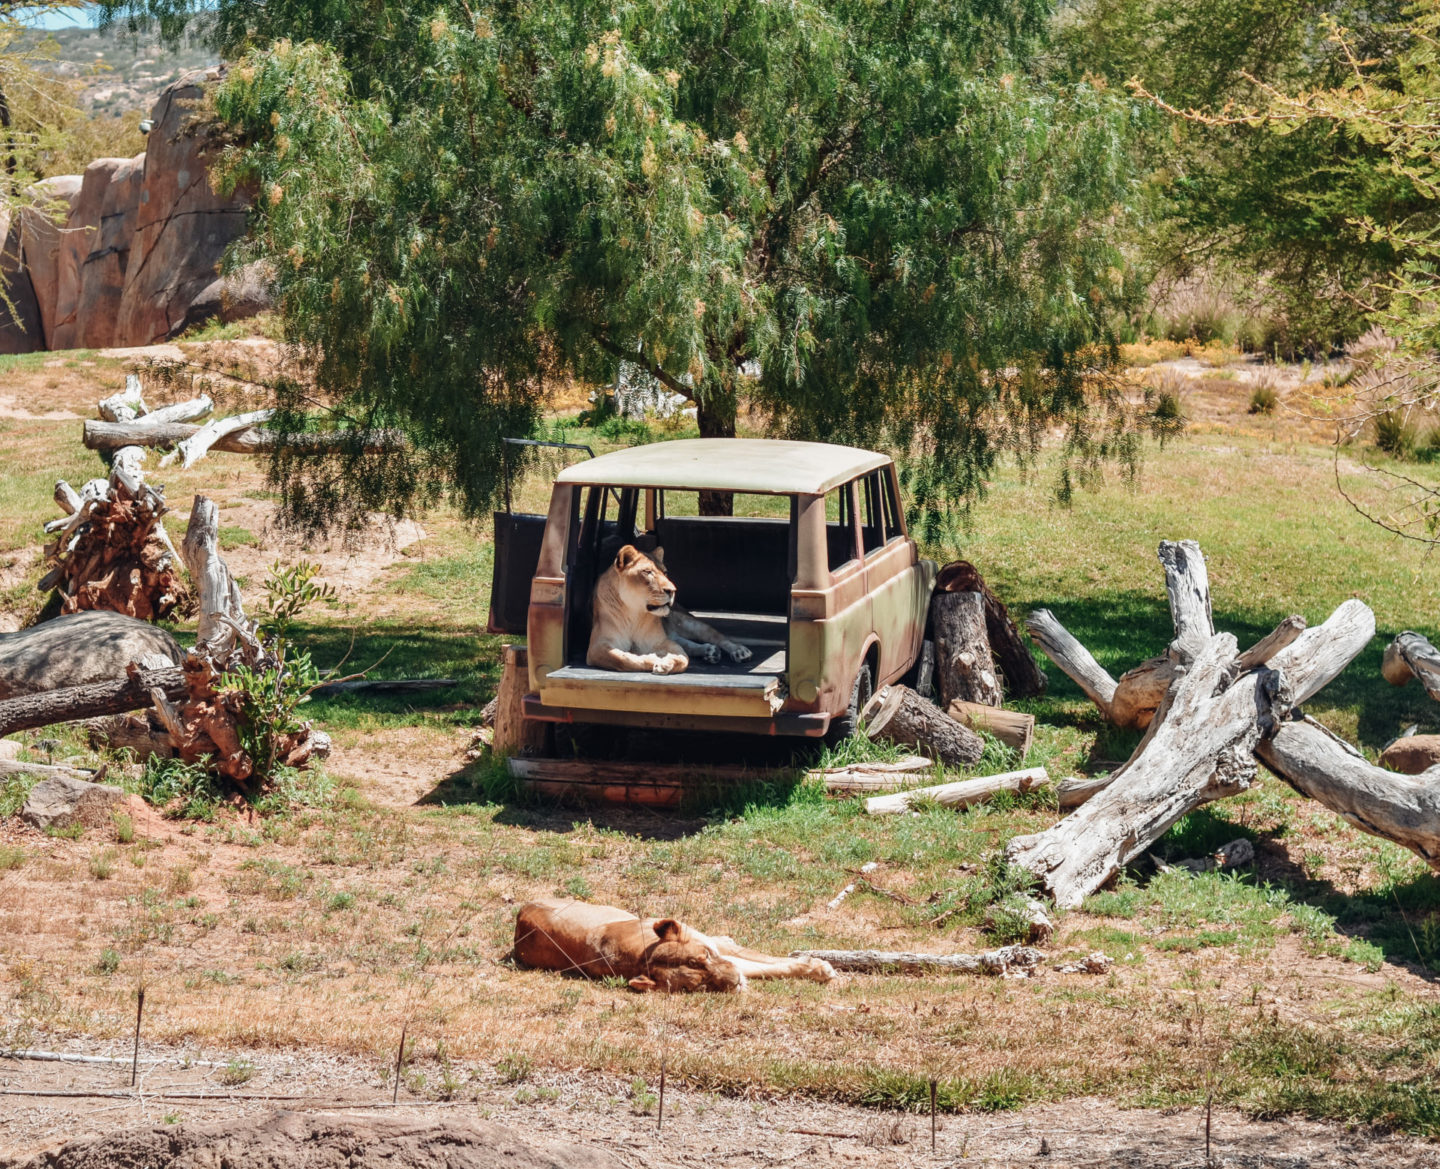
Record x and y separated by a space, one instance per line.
1400 918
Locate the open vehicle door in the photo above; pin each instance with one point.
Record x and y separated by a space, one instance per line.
518 536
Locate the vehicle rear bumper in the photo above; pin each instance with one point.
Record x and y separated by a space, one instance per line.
806 725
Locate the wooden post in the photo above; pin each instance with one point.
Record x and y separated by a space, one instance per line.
514 733
906 719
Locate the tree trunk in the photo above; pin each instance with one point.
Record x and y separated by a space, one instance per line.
219 594
963 665
959 795
1009 726
1402 808
1412 656
1021 675
125 406
1199 749
715 415
1074 660
98 698
907 720
888 961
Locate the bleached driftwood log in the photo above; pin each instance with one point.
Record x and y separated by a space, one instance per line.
960 794
1318 764
1073 658
1187 584
906 962
871 777
964 667
904 718
127 405
220 607
192 449
1199 749
1411 655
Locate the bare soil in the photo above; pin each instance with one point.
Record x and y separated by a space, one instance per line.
618 1117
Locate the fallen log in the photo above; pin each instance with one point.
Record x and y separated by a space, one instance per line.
178 412
906 962
99 698
904 718
1020 675
960 794
109 436
964 667
1411 655
870 777
382 686
1011 727
44 770
1322 766
1198 749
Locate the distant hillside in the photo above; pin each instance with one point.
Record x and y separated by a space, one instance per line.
121 73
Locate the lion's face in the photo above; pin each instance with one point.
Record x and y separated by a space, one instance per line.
642 580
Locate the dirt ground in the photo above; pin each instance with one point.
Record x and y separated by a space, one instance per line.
699 1129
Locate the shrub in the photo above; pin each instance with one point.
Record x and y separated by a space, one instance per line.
1264 399
1394 434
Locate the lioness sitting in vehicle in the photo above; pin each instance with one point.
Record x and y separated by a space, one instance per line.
600 941
636 624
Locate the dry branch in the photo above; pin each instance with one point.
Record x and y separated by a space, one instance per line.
77 702
190 450
960 794
1073 658
889 961
108 436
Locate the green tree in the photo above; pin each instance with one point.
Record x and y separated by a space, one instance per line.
1227 198
883 204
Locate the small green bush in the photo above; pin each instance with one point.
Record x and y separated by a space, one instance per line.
1395 435
1264 399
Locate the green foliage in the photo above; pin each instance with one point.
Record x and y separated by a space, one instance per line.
183 790
887 207
289 590
268 700
1264 399
14 790
1394 434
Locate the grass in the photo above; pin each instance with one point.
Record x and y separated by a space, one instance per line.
345 910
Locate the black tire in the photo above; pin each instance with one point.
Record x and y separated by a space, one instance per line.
845 725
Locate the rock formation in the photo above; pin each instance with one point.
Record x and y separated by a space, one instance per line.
137 258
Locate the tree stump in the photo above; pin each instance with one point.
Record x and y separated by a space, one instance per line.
1020 675
907 720
514 733
963 664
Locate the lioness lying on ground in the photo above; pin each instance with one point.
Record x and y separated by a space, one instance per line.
599 941
636 624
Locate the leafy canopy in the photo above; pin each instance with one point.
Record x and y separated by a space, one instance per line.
883 204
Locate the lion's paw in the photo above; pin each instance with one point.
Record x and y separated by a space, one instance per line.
821 971
711 654
669 664
738 653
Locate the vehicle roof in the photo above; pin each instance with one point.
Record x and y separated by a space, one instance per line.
758 465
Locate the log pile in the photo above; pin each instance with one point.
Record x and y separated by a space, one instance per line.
1220 711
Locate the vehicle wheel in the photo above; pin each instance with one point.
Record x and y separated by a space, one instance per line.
843 726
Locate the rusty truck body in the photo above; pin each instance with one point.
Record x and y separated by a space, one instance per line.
813 570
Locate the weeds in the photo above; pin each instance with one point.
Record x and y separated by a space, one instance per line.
1264 399
12 856
124 828
102 864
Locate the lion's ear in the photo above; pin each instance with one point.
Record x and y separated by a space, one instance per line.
642 984
628 556
667 929
658 556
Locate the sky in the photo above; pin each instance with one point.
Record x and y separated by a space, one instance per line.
81 16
